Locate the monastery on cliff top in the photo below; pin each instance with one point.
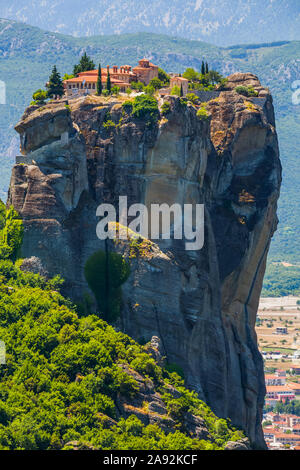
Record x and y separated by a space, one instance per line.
123 76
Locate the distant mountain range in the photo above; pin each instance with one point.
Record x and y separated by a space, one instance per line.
27 55
221 22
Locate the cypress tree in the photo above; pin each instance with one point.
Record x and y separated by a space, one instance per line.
55 85
203 68
99 81
108 82
206 68
181 90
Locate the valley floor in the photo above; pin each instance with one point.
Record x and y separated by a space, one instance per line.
278 333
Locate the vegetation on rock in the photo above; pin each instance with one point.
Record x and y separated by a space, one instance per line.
246 91
11 233
39 98
65 372
145 107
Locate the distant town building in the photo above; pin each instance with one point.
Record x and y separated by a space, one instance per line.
295 387
282 330
279 393
273 379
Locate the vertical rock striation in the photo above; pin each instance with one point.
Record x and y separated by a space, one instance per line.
201 304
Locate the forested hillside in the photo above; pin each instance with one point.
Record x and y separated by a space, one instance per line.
71 381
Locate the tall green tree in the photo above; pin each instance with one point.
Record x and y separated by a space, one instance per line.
190 74
99 81
206 68
203 68
108 82
163 76
55 85
84 65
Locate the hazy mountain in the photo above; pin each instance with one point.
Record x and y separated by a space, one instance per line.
221 22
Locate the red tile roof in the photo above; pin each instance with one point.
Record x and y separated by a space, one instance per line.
278 388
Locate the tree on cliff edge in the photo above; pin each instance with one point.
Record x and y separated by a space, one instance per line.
99 81
108 82
55 85
84 65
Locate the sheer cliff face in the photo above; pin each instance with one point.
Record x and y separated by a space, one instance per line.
201 304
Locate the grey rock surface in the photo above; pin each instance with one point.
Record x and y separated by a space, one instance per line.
202 305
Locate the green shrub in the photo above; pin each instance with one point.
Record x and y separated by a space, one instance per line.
156 83
127 106
192 97
137 86
144 364
163 76
109 124
149 90
166 108
39 97
115 90
11 235
145 108
246 91
202 114
176 91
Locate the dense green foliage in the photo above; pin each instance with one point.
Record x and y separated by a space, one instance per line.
39 97
202 114
144 107
163 76
55 86
166 108
246 90
85 64
206 80
11 233
176 91
62 377
105 274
